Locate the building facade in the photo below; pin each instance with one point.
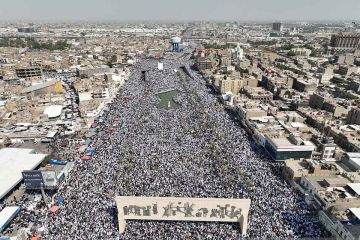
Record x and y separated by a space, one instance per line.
345 41
353 116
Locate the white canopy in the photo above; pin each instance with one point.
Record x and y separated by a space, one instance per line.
12 162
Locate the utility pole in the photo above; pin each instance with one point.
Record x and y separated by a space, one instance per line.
43 194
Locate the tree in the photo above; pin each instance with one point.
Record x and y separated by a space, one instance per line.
109 64
288 47
291 53
46 161
248 182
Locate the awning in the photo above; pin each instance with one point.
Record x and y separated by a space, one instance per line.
60 200
7 215
90 134
89 152
82 148
85 157
54 209
356 212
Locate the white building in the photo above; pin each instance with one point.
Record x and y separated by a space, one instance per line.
12 162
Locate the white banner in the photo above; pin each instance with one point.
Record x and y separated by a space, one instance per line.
183 209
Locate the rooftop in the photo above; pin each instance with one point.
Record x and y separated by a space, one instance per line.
12 162
39 86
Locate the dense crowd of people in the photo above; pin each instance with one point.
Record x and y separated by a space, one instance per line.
197 150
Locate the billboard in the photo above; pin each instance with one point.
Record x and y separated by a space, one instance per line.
183 209
33 179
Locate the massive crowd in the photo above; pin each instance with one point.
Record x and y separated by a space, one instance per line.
197 150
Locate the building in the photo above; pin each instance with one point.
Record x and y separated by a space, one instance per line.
26 29
273 84
354 85
49 87
230 85
29 72
324 192
316 101
295 169
281 148
12 162
302 51
88 71
277 26
203 63
239 52
303 85
342 224
326 74
53 111
346 70
7 215
353 116
353 160
345 41
175 44
245 113
258 93
328 149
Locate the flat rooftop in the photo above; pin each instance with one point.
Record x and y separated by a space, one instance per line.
12 162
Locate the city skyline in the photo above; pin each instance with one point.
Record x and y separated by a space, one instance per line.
186 10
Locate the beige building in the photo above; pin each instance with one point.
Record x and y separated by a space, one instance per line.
203 63
295 169
49 87
29 72
230 85
258 93
304 85
328 104
331 191
345 41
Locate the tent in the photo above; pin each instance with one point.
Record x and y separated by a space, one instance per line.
88 141
89 152
90 134
82 148
93 130
102 119
60 200
54 209
85 157
57 162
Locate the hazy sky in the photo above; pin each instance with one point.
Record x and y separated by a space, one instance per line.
169 10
